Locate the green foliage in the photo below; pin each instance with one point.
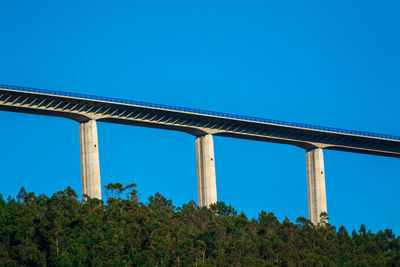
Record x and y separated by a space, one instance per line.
62 231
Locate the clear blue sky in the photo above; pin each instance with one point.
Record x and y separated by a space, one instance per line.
330 63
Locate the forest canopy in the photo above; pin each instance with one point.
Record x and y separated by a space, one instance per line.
62 231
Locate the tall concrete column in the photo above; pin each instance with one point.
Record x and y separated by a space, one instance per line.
206 184
316 185
90 166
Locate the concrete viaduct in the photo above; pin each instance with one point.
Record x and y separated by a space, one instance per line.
87 109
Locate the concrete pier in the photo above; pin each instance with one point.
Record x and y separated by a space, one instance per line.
316 185
90 166
206 183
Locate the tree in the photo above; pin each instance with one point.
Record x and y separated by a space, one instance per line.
62 231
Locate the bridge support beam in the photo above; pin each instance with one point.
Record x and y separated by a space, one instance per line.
206 182
90 166
316 185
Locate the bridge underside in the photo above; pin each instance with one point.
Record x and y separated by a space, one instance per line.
83 110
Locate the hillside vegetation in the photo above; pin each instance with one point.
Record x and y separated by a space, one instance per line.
62 231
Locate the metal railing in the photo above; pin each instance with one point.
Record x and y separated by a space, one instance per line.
200 111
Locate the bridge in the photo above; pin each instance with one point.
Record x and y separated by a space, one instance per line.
203 125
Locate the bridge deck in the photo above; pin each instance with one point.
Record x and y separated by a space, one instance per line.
81 108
